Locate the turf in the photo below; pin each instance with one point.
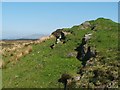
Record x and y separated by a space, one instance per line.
43 66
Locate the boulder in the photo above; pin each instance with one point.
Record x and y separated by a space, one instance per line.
85 25
57 33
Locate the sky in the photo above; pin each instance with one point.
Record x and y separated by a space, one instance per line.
26 18
60 0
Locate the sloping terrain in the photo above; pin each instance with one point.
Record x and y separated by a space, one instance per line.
42 66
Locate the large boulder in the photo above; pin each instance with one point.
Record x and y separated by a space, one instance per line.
57 33
85 25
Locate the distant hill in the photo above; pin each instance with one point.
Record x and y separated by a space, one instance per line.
28 37
33 36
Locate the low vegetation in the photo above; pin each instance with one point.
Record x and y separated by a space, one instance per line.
33 64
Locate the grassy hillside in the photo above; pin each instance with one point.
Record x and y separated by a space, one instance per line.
43 66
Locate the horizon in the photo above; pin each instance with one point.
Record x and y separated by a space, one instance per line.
21 19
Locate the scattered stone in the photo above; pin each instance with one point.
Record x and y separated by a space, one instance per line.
71 54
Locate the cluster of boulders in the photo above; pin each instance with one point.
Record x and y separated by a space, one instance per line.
68 80
94 73
84 54
84 51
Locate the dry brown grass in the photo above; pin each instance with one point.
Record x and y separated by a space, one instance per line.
16 53
2 64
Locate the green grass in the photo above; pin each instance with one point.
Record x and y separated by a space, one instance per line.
41 69
43 66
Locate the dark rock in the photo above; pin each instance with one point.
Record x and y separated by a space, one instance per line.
52 46
81 51
89 54
57 33
64 79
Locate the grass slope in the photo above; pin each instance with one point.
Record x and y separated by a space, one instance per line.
43 66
